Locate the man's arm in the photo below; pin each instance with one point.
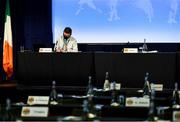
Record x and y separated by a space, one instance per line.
74 47
57 46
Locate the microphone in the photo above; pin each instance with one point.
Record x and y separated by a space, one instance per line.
55 46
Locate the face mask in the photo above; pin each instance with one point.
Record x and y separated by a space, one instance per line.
65 37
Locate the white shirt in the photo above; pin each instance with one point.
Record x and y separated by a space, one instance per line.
70 47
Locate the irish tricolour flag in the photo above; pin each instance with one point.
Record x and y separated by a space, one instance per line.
8 45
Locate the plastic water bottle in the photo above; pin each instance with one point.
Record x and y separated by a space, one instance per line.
106 82
152 109
175 97
90 88
114 101
53 94
175 103
146 88
8 116
144 47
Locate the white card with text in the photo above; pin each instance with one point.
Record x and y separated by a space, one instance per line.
38 100
137 102
35 112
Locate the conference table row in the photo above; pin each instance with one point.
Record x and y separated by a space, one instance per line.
71 100
73 69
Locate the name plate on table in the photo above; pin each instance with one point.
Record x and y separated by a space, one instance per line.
130 50
45 50
137 102
117 87
34 112
157 87
176 116
38 100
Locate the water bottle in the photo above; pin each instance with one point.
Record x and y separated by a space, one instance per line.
114 101
152 109
146 88
175 103
106 82
90 88
144 47
88 110
121 100
8 116
53 94
175 97
85 110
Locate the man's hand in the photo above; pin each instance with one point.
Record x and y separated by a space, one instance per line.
61 50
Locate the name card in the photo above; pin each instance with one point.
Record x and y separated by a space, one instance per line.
130 50
137 102
34 112
117 86
38 100
157 87
45 50
176 116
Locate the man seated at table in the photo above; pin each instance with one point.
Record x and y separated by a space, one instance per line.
66 43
